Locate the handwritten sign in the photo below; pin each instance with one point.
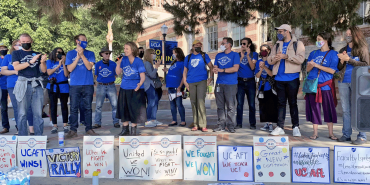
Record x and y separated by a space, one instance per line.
98 155
351 164
31 155
8 148
200 158
310 165
271 159
235 163
64 162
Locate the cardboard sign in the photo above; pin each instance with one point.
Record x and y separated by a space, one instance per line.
31 155
271 159
351 164
8 149
64 162
200 158
235 163
150 157
310 165
98 155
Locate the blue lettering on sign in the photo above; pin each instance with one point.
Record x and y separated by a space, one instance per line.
32 163
65 169
32 152
206 169
155 44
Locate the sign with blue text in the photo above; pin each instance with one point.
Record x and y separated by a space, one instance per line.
31 155
157 46
235 163
8 149
310 165
200 158
64 162
351 164
271 159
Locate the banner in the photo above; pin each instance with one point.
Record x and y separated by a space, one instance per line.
170 45
351 164
235 163
200 158
31 155
271 159
98 155
157 46
8 149
64 162
310 165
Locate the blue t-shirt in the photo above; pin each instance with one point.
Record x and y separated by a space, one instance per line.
224 61
349 67
80 75
3 78
197 69
131 73
331 61
264 74
174 75
245 70
59 75
281 75
24 57
7 61
105 73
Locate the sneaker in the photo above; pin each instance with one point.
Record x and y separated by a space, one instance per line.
150 124
253 127
343 139
231 130
271 128
54 130
219 129
91 133
44 115
296 132
51 123
359 141
277 131
71 134
158 123
266 127
96 126
66 129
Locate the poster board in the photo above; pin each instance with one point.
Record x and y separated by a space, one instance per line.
8 152
64 162
31 155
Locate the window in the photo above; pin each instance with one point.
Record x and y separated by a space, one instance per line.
238 34
212 38
363 10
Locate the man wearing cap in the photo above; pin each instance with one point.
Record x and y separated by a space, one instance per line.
4 93
287 56
196 80
105 74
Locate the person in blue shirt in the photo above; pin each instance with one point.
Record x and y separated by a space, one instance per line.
79 63
266 93
105 73
4 93
355 53
226 66
287 56
196 80
247 82
58 87
131 98
174 83
322 65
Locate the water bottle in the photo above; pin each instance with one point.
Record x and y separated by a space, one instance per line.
10 179
61 138
3 182
16 180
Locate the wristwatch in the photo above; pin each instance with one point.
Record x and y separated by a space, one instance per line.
29 63
224 70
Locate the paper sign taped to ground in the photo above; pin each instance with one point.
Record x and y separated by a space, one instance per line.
64 162
8 149
31 155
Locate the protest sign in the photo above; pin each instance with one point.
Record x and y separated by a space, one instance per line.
8 148
351 164
64 162
157 46
98 155
200 158
31 155
235 163
310 165
271 159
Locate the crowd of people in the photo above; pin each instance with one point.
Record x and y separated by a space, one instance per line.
272 76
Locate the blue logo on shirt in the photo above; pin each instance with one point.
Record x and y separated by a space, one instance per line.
105 72
128 71
318 60
224 60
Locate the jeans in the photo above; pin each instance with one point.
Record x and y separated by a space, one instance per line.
33 99
246 88
103 91
198 92
153 100
287 90
345 97
226 95
53 96
15 109
4 108
177 102
81 94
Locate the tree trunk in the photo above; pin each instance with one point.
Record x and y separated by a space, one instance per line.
110 36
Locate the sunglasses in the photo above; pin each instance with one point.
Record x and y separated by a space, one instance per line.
59 52
244 44
107 53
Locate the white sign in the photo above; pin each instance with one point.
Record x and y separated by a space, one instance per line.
310 165
98 155
271 159
235 163
351 164
8 152
200 158
31 155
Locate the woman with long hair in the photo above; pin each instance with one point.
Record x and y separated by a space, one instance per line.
355 53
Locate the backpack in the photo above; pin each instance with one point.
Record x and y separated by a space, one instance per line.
304 64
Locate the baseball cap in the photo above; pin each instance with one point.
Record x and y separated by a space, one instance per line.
196 42
284 27
2 45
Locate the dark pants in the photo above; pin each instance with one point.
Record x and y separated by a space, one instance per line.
81 94
4 109
53 96
287 90
246 88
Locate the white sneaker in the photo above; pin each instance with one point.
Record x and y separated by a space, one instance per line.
150 124
51 123
266 127
158 123
296 132
277 131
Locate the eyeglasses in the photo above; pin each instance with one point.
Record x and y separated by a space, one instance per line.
107 53
18 45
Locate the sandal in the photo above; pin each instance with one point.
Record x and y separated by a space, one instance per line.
314 137
333 137
204 130
194 129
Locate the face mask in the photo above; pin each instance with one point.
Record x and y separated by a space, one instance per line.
3 52
197 49
280 36
154 57
19 48
264 53
26 46
173 56
141 54
319 44
223 48
59 56
349 39
83 44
